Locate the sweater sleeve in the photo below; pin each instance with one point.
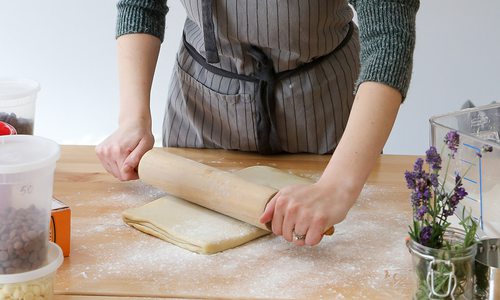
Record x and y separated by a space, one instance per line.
387 38
141 16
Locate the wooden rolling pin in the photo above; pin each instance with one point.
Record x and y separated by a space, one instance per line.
207 186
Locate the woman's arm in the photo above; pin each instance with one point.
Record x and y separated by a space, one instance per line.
310 209
139 30
121 152
387 36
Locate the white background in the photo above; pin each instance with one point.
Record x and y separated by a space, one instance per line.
69 47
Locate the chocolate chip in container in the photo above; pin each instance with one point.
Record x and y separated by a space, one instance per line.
23 239
3 256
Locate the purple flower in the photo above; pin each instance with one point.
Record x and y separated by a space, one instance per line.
432 203
421 211
459 189
425 235
410 180
452 140
418 165
434 180
459 193
420 183
433 158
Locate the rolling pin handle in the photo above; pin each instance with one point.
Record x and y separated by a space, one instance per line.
330 231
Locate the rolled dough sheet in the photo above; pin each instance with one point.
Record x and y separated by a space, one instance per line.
199 229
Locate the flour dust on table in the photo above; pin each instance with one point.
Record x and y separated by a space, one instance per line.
266 268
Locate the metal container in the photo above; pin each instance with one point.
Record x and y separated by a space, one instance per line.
487 269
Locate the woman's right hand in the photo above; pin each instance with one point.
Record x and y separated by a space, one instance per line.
122 151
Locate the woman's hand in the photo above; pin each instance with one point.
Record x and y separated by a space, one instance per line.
122 151
307 210
310 209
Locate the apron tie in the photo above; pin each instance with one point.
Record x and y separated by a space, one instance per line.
267 133
212 56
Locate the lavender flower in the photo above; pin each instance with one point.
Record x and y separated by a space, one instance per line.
434 180
433 158
431 202
452 140
421 211
410 180
459 190
425 235
417 167
420 183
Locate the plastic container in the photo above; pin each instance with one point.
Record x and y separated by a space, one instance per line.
477 159
27 165
17 103
36 284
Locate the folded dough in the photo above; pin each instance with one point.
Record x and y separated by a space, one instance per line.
199 229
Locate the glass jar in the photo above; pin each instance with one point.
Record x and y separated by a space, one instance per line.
443 273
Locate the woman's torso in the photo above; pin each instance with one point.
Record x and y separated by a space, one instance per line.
207 110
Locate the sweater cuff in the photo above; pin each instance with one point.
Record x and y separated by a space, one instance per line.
387 35
141 16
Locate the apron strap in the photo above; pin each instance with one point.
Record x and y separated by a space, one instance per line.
212 56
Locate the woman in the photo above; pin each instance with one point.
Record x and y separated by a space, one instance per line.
271 76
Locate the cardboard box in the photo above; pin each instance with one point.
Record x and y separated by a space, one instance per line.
60 226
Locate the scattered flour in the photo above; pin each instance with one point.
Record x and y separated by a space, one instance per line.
367 251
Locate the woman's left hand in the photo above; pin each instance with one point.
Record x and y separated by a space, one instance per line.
307 210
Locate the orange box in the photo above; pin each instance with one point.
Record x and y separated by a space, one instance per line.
60 226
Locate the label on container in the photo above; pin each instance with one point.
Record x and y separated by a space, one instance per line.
7 129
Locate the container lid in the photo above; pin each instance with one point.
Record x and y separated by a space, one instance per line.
54 260
24 153
12 90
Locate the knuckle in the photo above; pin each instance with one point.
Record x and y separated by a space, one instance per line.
313 239
281 203
293 208
116 149
321 220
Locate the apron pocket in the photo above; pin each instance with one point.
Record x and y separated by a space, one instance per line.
213 119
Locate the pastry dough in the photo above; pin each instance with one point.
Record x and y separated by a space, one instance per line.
199 229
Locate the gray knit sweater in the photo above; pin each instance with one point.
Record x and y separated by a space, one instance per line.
387 35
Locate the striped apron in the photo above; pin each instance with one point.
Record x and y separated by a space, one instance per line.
263 75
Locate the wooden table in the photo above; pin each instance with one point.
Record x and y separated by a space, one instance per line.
365 258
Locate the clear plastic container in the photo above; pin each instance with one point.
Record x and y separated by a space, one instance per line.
477 159
27 165
36 284
17 103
